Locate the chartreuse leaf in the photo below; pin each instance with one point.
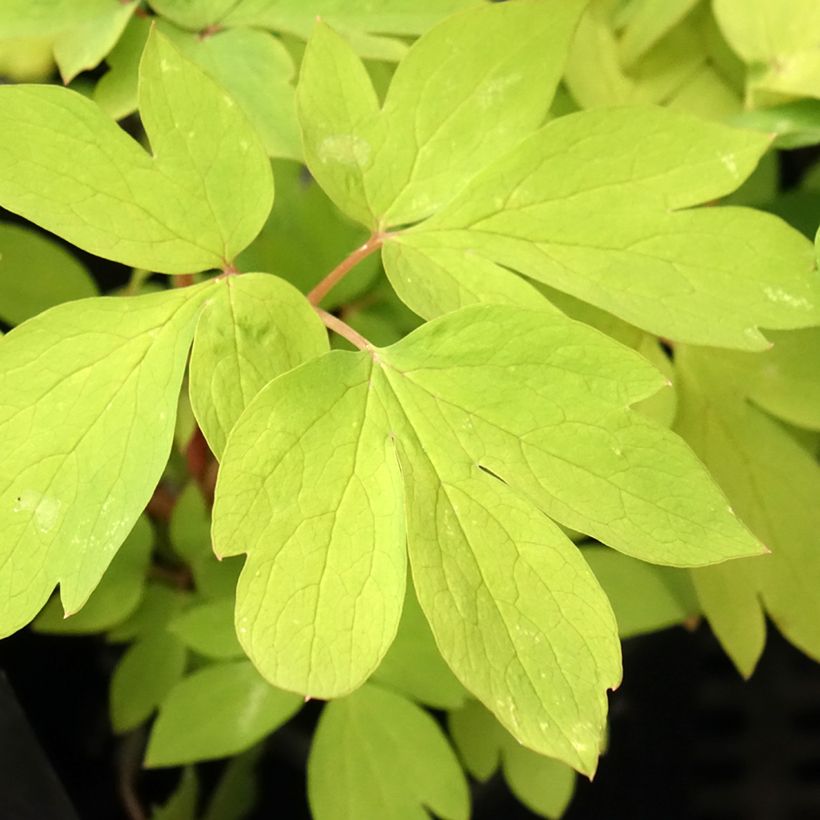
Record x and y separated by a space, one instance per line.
22 18
413 666
217 711
193 205
778 40
256 327
117 596
543 785
193 14
648 23
144 676
773 484
208 629
257 71
376 754
644 598
591 204
84 46
36 273
236 792
287 244
190 531
158 606
467 90
182 803
87 438
785 380
529 396
116 90
315 501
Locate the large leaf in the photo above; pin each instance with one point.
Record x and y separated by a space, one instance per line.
773 484
531 397
193 205
217 711
89 394
376 754
467 90
255 328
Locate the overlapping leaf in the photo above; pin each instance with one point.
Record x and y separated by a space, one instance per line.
310 488
376 754
193 205
88 400
774 485
596 204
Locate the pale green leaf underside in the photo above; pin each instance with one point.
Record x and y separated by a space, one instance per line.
774 485
193 205
376 754
255 328
467 90
217 711
591 205
36 273
89 394
542 784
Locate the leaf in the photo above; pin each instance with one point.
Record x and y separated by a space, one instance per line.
89 436
190 532
143 677
193 205
237 790
778 38
182 803
648 23
117 596
461 109
257 71
36 273
287 245
514 609
158 606
84 46
319 597
193 14
217 711
590 206
773 484
644 598
376 754
208 629
22 18
797 124
543 785
413 666
255 328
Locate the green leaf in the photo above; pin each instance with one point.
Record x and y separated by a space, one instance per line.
193 14
778 39
544 785
36 273
190 532
88 437
117 596
218 711
257 71
648 23
182 803
236 792
470 88
644 598
797 124
319 598
143 677
413 666
208 629
84 46
157 607
255 328
773 484
22 18
193 205
287 245
376 754
591 203
514 609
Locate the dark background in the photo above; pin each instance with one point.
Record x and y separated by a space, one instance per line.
689 739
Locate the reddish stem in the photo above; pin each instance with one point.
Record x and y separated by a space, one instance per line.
344 330
345 266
